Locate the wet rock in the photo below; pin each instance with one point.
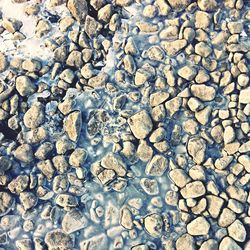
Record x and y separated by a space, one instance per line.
129 64
98 81
237 193
154 225
158 98
198 226
147 27
140 124
35 116
73 125
46 168
114 162
197 148
24 153
78 157
185 242
202 19
229 135
24 86
6 202
155 53
124 3
157 166
58 239
60 163
203 49
28 200
6 164
223 163
78 9
173 106
19 184
67 75
203 92
228 243
187 72
126 219
74 221
60 184
235 27
237 231
149 186
44 150
193 190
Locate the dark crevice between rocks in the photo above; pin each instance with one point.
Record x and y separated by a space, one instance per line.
8 133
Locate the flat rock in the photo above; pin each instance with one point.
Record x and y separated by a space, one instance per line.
140 124
157 166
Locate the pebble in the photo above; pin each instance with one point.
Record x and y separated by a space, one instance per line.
73 125
78 9
78 157
203 92
179 177
187 72
157 166
193 189
58 239
244 96
3 62
6 203
126 219
185 242
24 153
196 148
237 231
228 243
198 226
226 218
153 225
24 86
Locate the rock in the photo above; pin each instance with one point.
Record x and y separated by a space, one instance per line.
237 193
203 92
67 75
202 49
153 225
229 135
98 81
105 13
223 163
178 4
6 164
54 3
43 27
114 162
149 186
73 125
24 153
66 201
73 221
196 148
235 27
174 47
46 168
147 27
91 26
97 242
158 135
28 200
210 244
44 150
35 116
6 202
78 157
3 62
124 3
126 219
158 98
203 115
60 184
226 218
244 96
19 184
214 205
157 166
237 231
198 226
106 176
185 242
11 24
179 177
78 9
60 163
75 59
129 64
24 244
24 86
193 189
173 106
144 151
58 239
245 147
140 124
228 243
31 65
202 19
245 161
150 11
155 53
207 5
187 72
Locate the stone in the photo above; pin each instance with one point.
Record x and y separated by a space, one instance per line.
158 135
179 177
91 26
67 75
227 217
75 59
73 125
106 176
155 53
140 124
203 115
214 205
43 27
228 243
24 86
229 135
31 65
129 64
6 202
179 4
210 244
207 5
98 81
19 184
173 106
196 148
126 219
44 150
46 168
24 244
185 242
150 11
149 186
34 116
78 157
147 27
245 161
73 221
28 200
11 24
198 226
203 92
174 47
202 49
193 189
60 163
60 184
114 162
245 147
124 3
144 151
154 225
223 162
24 153
58 239
158 97
235 27
237 231
97 242
157 166
187 72
78 9
3 62
202 19
237 193
244 96
66 200
105 13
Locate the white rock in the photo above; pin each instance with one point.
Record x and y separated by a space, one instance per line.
229 135
157 166
193 190
228 243
198 226
244 96
203 92
237 231
187 72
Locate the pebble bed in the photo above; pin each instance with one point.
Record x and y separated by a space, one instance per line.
124 124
